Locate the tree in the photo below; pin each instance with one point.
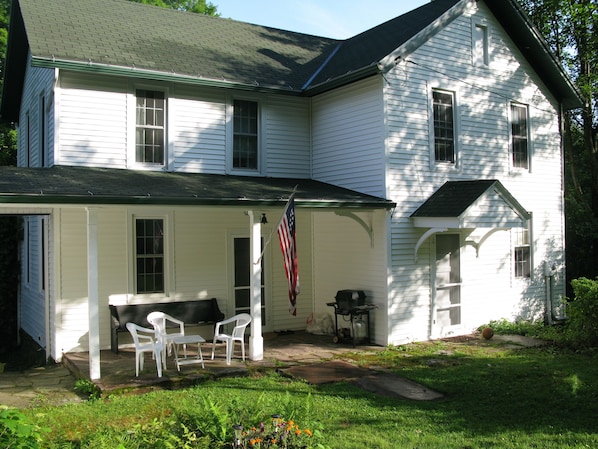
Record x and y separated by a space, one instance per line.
196 6
569 27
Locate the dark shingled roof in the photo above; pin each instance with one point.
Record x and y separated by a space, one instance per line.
453 198
131 39
133 35
82 185
370 47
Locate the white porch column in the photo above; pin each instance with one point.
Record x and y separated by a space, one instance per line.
256 341
93 293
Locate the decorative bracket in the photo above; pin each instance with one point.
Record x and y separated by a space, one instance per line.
485 237
425 236
361 222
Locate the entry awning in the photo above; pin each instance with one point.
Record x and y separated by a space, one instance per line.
104 186
469 205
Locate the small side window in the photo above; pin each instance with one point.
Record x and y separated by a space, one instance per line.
481 56
519 136
444 126
522 253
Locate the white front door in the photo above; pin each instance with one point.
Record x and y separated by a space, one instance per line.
446 301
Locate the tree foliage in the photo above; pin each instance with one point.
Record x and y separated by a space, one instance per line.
569 27
196 6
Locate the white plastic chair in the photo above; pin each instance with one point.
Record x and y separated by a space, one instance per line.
145 341
159 320
238 334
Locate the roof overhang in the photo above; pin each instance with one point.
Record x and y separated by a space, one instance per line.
33 188
485 204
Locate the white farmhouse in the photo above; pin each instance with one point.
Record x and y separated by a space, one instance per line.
425 156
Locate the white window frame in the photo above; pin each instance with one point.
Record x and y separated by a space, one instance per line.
132 129
167 220
258 170
445 165
480 43
517 243
524 106
43 131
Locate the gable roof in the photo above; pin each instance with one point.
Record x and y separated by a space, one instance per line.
95 186
130 39
470 204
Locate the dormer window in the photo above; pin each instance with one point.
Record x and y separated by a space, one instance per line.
150 127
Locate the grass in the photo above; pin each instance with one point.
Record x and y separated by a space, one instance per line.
495 397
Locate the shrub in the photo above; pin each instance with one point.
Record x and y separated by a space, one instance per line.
16 432
582 327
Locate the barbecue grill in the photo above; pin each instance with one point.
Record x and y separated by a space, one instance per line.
350 305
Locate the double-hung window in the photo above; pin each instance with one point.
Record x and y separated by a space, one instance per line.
245 135
150 131
149 255
522 253
519 136
444 126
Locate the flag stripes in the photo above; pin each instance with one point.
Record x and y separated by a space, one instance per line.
286 236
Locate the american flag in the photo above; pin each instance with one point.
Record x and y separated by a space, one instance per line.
286 236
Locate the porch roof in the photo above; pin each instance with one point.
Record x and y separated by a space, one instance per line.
483 203
96 186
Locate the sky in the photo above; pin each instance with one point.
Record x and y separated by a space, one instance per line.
337 19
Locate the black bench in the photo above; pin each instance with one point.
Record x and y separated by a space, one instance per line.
203 311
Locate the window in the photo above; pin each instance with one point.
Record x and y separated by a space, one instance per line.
245 135
42 130
444 126
480 45
150 127
519 136
149 255
522 252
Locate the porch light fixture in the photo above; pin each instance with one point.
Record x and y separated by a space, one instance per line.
264 219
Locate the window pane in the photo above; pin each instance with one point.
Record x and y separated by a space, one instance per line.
519 136
522 261
245 141
150 127
444 141
149 238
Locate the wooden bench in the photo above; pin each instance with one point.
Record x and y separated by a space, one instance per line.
193 312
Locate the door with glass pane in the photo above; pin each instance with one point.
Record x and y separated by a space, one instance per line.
242 276
447 301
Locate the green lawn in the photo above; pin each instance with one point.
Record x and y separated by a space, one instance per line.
494 398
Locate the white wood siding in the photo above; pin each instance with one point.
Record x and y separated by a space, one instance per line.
199 131
346 258
348 137
92 121
32 297
38 82
483 102
94 124
287 141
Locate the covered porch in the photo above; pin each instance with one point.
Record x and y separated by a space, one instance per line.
87 237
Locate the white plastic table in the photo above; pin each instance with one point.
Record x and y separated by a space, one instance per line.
187 340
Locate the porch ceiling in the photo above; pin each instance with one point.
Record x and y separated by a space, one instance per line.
95 186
